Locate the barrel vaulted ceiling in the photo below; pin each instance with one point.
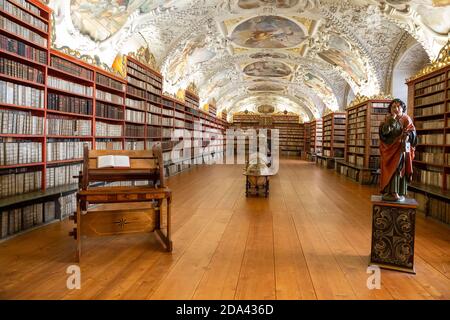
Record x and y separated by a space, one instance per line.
303 56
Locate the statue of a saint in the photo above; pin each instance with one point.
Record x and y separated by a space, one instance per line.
398 141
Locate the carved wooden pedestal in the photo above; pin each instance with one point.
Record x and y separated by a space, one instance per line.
393 230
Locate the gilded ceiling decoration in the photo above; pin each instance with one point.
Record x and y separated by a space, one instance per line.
270 32
303 56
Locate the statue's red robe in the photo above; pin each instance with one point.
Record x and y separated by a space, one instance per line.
390 155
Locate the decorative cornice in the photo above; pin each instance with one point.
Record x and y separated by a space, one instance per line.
361 98
95 61
442 60
144 55
192 87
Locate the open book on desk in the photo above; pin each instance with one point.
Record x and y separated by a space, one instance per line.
111 161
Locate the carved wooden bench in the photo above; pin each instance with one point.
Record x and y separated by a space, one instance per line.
145 165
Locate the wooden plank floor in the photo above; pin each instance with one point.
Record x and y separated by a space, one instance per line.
309 240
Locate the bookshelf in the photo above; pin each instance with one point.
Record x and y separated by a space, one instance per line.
52 103
362 154
307 150
333 141
316 138
291 132
429 97
24 53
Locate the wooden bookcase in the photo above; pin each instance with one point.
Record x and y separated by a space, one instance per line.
291 132
63 103
333 143
429 94
362 154
307 150
316 137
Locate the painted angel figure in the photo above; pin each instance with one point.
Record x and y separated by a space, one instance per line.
397 146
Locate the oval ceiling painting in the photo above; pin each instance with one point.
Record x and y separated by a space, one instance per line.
266 87
268 32
263 55
266 108
253 4
267 69
101 19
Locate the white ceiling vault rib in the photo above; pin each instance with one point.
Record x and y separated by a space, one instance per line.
303 55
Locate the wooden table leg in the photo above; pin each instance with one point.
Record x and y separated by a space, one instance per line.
78 231
169 237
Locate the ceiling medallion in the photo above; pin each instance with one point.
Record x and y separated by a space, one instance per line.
361 98
442 60
144 55
192 87
271 32
267 69
266 108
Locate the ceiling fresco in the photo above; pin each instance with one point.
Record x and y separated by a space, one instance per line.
303 56
270 32
267 69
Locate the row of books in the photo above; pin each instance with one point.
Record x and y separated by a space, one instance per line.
58 83
158 120
440 209
62 175
143 75
137 104
72 68
429 111
434 98
134 145
20 152
349 172
70 104
374 162
108 145
108 130
430 177
143 85
22 32
12 184
431 139
132 130
22 15
19 70
108 82
107 111
68 205
106 96
20 122
153 132
356 149
22 49
19 219
430 155
430 124
134 116
432 88
136 92
358 160
16 94
29 6
65 150
69 127
430 81
158 110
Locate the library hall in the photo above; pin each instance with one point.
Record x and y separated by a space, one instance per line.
224 150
